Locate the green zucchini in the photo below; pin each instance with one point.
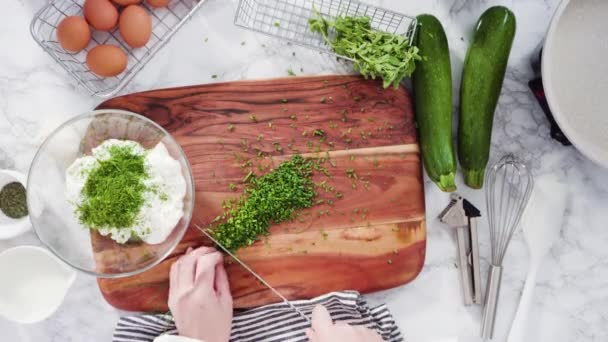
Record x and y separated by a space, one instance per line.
432 81
482 77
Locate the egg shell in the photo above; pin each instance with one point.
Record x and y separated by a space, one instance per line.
101 14
73 33
127 2
158 3
107 60
135 26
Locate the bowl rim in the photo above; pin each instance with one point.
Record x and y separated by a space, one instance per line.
187 216
576 138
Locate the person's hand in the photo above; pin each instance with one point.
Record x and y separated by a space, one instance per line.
199 296
324 330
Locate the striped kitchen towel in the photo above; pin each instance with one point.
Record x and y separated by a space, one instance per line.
274 322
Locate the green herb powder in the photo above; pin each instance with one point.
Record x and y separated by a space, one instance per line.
114 191
13 200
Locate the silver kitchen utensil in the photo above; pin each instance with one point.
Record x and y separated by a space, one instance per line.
508 186
257 276
165 22
288 19
541 225
461 215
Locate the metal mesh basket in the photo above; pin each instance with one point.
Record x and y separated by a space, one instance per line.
165 22
288 19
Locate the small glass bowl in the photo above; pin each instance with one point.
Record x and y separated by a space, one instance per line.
53 217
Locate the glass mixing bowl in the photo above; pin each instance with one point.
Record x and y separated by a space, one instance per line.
53 217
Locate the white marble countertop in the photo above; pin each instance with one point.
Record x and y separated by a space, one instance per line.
571 300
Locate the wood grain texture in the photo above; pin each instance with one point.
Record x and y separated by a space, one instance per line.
372 238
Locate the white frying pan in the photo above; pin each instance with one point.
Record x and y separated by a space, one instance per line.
575 74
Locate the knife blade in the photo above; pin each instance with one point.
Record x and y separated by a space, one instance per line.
257 276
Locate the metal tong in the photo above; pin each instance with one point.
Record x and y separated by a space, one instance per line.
462 215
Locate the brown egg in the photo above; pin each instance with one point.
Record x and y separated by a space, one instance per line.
107 60
73 33
158 3
135 26
101 14
127 2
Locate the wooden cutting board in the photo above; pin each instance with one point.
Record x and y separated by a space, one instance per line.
370 239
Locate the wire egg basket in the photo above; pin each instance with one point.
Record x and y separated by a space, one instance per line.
165 22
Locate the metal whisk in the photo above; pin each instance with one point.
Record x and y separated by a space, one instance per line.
509 184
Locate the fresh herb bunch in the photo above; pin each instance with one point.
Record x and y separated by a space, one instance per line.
114 191
375 53
272 198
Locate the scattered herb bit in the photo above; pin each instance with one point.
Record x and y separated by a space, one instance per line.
304 133
232 187
332 124
390 261
319 133
325 82
293 117
277 24
242 43
253 118
350 173
339 195
270 125
290 72
246 178
292 125
293 53
375 53
206 39
284 100
323 99
272 198
13 200
213 76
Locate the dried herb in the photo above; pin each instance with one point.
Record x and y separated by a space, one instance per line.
13 200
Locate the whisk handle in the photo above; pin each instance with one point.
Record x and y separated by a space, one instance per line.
491 302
